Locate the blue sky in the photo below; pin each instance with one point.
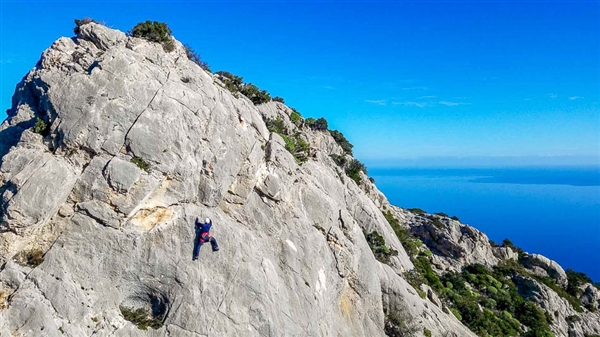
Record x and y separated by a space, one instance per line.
489 82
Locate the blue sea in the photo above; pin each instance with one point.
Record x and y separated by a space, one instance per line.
553 211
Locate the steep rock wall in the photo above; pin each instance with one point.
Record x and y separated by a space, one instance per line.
113 234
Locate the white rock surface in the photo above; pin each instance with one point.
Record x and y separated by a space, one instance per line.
543 266
114 235
293 260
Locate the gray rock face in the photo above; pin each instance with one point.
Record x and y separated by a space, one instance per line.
454 244
87 234
35 184
543 266
566 321
506 253
121 175
103 235
591 296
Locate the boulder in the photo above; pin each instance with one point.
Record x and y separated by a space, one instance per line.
543 266
121 174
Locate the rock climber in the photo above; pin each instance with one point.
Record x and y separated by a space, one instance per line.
202 236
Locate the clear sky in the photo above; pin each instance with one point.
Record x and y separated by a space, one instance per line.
440 81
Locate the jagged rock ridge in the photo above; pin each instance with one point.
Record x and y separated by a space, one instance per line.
114 235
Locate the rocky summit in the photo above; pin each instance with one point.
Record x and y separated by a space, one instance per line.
114 145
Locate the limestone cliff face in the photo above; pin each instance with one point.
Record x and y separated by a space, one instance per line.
86 232
98 211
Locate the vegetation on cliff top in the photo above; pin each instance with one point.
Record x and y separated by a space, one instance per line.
154 31
193 56
160 32
236 84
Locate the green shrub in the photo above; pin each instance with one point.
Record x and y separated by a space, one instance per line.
195 57
298 147
441 214
423 266
395 224
141 318
435 220
538 333
415 279
168 45
141 163
478 269
380 250
532 316
232 82
320 124
317 124
492 290
339 159
427 333
278 99
576 280
342 141
454 217
410 243
256 95
497 284
506 315
276 125
508 268
290 145
296 118
417 211
84 21
295 144
489 303
302 145
455 312
153 31
41 127
353 170
509 244
237 80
